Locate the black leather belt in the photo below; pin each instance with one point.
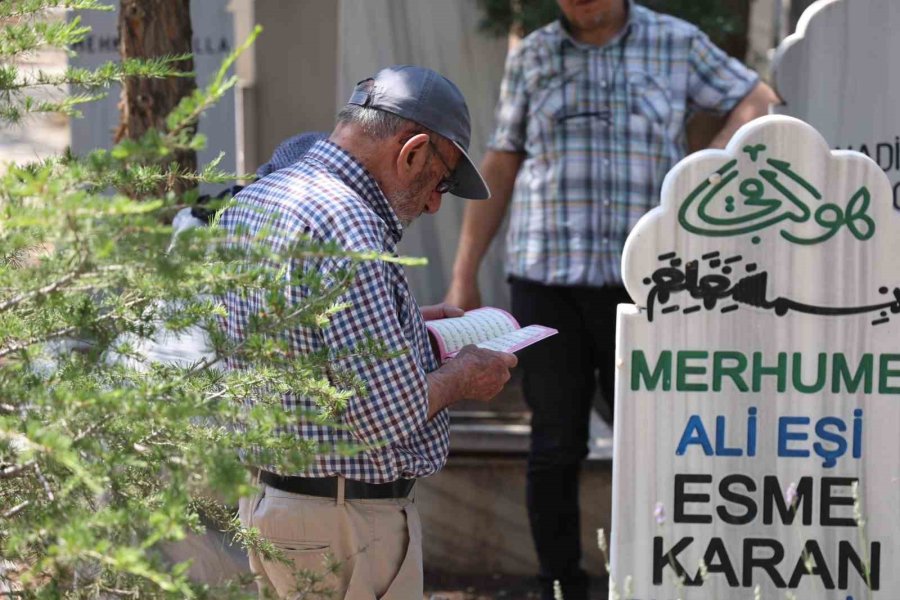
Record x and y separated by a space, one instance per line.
327 487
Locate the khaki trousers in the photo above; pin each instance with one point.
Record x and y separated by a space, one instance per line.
375 545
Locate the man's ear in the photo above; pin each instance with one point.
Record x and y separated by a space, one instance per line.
413 156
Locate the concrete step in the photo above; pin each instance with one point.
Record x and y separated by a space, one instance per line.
508 433
473 512
475 522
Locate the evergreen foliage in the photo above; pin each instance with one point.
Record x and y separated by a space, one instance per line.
103 453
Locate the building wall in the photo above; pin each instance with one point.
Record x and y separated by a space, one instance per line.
288 79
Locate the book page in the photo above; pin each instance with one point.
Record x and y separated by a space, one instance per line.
475 326
518 339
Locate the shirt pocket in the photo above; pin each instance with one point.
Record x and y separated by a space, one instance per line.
649 98
574 104
647 129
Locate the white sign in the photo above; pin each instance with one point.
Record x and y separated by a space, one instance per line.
838 73
213 41
758 389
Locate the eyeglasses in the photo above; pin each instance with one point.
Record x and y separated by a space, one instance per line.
447 183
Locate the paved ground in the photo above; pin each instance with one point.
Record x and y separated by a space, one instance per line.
496 587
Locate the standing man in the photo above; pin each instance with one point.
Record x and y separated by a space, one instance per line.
399 144
591 117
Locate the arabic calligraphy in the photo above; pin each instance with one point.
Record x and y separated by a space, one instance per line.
719 288
776 194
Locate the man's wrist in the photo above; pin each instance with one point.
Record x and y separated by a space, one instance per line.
444 388
465 274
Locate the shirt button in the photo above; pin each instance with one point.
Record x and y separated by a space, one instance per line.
606 202
605 162
605 241
603 84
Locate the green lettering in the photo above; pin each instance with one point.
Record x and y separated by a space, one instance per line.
841 372
641 370
885 372
734 372
779 371
797 373
682 370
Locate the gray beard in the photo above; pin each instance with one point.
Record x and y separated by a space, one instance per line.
404 204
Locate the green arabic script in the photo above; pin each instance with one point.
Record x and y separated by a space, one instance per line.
774 196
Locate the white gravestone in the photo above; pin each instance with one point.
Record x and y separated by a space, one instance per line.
838 73
761 366
213 40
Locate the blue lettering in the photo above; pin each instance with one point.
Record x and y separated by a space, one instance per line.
830 455
694 433
785 436
721 448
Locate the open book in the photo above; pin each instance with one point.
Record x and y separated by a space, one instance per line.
490 328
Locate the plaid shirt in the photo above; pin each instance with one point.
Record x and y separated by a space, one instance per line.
600 127
331 198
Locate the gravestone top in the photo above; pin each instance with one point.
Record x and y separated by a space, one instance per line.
759 370
836 72
776 193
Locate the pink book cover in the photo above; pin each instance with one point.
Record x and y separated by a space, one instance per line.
488 327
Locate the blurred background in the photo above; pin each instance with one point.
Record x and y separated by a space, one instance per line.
294 79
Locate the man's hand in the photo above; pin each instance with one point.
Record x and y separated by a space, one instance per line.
444 310
474 374
484 372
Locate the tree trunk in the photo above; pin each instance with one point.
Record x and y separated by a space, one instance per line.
150 29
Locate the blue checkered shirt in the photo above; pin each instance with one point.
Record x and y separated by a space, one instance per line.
600 127
331 198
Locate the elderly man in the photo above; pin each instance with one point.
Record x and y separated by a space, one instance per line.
399 144
590 119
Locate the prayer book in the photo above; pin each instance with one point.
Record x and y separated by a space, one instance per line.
491 328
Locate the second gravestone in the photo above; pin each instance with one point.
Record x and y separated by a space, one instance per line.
758 389
838 73
213 41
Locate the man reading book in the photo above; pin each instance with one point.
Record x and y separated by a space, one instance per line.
399 144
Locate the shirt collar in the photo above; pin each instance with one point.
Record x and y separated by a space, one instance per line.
631 24
344 165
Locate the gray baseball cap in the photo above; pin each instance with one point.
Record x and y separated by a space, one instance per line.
433 101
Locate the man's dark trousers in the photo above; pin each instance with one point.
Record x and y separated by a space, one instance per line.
560 378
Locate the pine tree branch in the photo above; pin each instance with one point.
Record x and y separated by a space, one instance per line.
120 593
101 77
16 470
44 483
55 335
37 340
32 7
23 38
15 510
83 434
47 289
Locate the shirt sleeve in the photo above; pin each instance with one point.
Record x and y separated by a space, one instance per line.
512 107
716 81
395 405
